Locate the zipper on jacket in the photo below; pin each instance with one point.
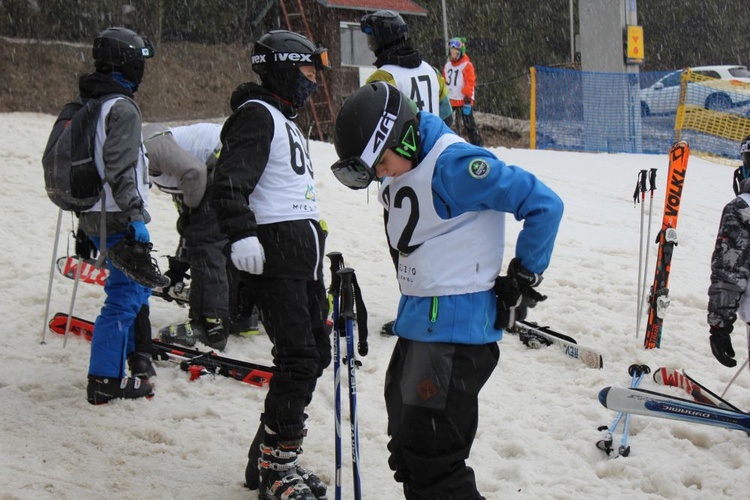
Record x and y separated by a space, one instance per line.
434 310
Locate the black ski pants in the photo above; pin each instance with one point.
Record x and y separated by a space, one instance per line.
293 313
431 395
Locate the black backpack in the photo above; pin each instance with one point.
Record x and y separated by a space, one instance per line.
70 175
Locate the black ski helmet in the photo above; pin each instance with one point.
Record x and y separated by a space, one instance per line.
124 51
374 118
384 29
277 57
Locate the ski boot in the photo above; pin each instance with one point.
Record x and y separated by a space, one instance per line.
209 331
141 366
133 259
102 390
273 469
246 326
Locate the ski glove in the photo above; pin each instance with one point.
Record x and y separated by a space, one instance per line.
721 345
515 294
177 274
85 248
247 255
466 108
139 231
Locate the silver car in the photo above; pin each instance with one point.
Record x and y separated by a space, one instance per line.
663 96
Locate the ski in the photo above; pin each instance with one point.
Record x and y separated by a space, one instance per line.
193 361
67 266
536 336
666 239
655 404
699 392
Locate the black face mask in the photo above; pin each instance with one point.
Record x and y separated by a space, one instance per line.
303 89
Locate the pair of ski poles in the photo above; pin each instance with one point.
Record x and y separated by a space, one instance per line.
640 187
345 296
636 373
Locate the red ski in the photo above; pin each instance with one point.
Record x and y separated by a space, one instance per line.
68 265
667 239
193 361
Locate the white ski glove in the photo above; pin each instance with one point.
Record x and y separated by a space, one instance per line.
247 255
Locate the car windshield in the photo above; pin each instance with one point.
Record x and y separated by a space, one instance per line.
739 72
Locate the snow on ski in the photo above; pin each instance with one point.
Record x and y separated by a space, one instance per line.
667 240
567 345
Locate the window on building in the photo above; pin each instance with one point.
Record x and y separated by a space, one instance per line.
354 50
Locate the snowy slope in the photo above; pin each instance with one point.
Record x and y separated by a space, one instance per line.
539 411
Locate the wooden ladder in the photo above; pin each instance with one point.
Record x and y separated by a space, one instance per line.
319 103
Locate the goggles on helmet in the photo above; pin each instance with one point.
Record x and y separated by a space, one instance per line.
455 43
357 172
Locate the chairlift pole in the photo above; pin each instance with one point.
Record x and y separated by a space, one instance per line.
445 29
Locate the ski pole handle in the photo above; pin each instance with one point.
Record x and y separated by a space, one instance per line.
347 294
337 263
652 180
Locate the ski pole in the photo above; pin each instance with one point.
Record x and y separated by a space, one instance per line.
79 270
723 394
51 275
624 449
640 186
337 263
652 188
347 312
636 375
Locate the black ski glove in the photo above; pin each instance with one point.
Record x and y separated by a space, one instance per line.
177 273
721 345
515 294
85 248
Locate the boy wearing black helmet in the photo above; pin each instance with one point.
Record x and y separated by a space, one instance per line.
402 66
263 193
122 332
445 203
730 266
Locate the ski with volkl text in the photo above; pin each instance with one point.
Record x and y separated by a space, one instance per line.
536 336
699 392
658 301
655 404
196 363
68 264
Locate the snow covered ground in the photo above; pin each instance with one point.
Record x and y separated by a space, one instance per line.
539 411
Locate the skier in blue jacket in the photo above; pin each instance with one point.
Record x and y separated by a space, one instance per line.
445 203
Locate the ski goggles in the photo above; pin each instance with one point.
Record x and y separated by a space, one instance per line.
354 172
455 43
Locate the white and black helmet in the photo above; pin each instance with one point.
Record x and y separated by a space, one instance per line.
376 117
277 57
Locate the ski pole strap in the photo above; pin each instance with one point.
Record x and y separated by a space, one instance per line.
640 185
351 298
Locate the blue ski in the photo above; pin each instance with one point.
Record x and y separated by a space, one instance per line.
655 404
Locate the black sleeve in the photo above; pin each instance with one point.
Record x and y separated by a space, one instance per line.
246 145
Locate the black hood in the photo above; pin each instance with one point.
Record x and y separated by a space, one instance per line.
403 56
251 90
99 85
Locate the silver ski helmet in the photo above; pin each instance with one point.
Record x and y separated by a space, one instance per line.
122 50
384 29
277 57
376 117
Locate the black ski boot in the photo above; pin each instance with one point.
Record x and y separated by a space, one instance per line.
280 475
209 331
141 366
133 258
102 390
